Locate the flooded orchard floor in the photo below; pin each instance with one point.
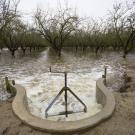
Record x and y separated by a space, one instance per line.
32 71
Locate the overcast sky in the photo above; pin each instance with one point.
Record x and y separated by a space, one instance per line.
91 8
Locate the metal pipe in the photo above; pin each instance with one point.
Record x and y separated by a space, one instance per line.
105 74
50 69
85 107
65 79
66 105
65 89
63 113
47 109
13 82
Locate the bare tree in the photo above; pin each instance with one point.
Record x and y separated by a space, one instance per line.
123 24
10 25
8 9
56 29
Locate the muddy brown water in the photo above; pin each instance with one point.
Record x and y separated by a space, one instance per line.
32 71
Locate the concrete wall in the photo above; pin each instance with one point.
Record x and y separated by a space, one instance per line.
104 97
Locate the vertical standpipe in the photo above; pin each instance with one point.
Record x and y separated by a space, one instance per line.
105 74
65 89
66 106
50 69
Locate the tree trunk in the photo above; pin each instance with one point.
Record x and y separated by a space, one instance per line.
24 50
30 49
59 53
13 53
97 49
76 49
125 54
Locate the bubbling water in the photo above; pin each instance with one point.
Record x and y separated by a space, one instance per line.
82 84
42 87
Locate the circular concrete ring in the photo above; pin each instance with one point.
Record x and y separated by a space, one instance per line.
104 97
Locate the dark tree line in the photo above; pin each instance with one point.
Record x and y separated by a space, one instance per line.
65 28
14 34
117 32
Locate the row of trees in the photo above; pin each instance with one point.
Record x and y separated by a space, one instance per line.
14 34
65 28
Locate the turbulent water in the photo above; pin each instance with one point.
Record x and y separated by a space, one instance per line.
32 71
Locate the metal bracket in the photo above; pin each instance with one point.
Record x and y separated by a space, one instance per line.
65 89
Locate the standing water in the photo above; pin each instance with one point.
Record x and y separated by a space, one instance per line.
32 71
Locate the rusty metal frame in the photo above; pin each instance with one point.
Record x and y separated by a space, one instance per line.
65 89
